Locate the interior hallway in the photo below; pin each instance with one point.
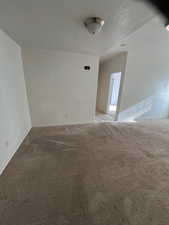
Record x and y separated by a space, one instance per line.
102 173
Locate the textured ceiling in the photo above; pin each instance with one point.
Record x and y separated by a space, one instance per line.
58 24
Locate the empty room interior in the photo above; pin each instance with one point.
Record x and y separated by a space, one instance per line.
84 112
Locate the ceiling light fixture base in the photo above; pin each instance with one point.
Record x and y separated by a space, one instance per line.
94 24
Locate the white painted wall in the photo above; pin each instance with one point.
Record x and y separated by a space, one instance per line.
115 64
60 91
147 71
14 112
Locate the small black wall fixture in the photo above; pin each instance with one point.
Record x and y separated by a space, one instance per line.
86 67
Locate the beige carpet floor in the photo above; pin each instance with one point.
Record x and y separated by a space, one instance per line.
96 174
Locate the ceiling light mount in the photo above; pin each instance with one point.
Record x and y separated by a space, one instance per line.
94 24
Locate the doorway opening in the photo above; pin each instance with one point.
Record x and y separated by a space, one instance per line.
114 88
